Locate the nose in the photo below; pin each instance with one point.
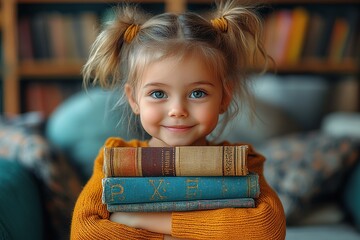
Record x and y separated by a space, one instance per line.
178 109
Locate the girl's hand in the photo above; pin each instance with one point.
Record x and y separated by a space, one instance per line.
154 222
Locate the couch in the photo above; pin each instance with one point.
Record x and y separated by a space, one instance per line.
312 159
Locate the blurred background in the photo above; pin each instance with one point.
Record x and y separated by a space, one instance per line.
307 107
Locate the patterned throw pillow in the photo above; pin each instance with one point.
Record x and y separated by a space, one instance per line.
303 167
60 185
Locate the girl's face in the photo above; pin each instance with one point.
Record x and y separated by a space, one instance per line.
178 102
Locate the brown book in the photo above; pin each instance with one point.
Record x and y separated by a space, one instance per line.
53 98
338 38
35 98
89 27
26 51
176 161
57 36
312 37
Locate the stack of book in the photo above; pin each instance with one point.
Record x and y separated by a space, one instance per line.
185 178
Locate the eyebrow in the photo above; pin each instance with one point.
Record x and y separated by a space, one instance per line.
158 84
203 83
154 84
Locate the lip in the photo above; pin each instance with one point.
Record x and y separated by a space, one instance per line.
178 128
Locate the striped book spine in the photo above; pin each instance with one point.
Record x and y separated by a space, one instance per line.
176 161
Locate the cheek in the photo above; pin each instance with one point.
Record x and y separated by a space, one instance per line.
208 116
149 115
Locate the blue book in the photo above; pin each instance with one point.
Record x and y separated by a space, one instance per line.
164 189
181 206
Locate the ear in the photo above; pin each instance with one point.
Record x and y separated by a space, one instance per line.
225 102
129 92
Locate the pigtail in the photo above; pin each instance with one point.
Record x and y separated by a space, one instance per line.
242 29
109 48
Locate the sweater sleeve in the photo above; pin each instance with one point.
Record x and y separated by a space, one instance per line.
90 217
265 221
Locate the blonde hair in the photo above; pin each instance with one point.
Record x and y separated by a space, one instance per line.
228 39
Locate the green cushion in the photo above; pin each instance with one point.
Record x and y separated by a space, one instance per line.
82 123
21 214
352 195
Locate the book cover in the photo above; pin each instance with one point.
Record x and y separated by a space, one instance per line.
52 98
72 51
89 28
269 33
338 40
40 34
57 36
351 48
78 37
294 47
182 206
176 161
35 97
118 190
313 36
284 21
25 39
321 51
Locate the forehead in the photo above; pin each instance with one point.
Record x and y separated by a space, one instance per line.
178 51
191 68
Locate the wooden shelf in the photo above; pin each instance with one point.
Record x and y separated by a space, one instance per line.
298 2
316 67
84 2
292 2
48 69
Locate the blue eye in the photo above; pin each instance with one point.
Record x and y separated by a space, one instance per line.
158 94
198 94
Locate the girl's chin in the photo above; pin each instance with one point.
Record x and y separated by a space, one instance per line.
160 143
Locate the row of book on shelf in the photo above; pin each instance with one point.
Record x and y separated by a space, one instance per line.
57 36
299 34
184 178
291 35
46 97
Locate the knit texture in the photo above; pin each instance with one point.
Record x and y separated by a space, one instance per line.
266 221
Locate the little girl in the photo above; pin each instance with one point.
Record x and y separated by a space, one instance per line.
179 73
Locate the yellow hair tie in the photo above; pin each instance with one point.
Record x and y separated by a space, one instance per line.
220 23
131 32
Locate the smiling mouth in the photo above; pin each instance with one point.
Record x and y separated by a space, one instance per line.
178 128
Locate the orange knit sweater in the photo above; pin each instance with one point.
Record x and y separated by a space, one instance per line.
266 221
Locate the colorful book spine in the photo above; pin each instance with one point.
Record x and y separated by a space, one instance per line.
182 206
312 36
119 190
338 38
284 22
175 161
300 19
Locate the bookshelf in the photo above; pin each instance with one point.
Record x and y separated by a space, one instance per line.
10 84
18 72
